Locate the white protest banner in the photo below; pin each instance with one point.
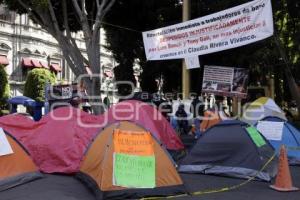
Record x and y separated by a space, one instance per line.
225 81
271 130
234 27
192 62
5 148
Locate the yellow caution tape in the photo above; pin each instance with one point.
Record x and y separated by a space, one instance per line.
224 189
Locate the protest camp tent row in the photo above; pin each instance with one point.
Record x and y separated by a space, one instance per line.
68 141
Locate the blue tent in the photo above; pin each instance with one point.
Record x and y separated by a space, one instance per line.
290 138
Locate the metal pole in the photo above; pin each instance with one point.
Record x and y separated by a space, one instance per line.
185 73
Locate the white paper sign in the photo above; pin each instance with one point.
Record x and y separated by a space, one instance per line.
230 28
5 147
271 130
192 62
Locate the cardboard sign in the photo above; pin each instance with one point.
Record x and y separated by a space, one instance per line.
256 137
133 143
134 171
271 130
5 148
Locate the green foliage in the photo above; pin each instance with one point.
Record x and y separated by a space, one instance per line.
4 88
36 81
41 6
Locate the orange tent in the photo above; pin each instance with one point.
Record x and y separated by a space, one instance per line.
210 118
16 167
98 168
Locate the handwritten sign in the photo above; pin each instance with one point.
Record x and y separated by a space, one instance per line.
271 130
133 143
5 148
134 171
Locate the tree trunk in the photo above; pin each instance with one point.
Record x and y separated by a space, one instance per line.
293 87
94 95
289 76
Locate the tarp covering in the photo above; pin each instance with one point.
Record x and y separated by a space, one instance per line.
148 117
230 149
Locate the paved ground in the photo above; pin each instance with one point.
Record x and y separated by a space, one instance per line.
253 191
58 187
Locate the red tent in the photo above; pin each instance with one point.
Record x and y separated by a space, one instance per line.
148 117
58 141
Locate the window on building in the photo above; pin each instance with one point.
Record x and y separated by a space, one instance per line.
5 15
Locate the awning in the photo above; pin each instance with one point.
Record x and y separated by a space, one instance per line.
3 60
44 64
36 63
55 67
108 74
33 63
26 62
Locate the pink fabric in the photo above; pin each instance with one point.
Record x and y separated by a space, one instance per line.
26 62
148 117
3 60
55 145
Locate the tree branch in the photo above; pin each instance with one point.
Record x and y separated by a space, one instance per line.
102 10
66 23
83 18
53 17
32 14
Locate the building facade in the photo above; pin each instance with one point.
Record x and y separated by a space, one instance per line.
25 45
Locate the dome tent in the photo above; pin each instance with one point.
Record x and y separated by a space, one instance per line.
98 168
285 134
261 108
231 148
16 166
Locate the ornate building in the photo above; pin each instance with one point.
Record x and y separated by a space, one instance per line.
24 45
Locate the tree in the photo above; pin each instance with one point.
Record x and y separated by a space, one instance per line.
140 16
35 83
62 17
4 88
